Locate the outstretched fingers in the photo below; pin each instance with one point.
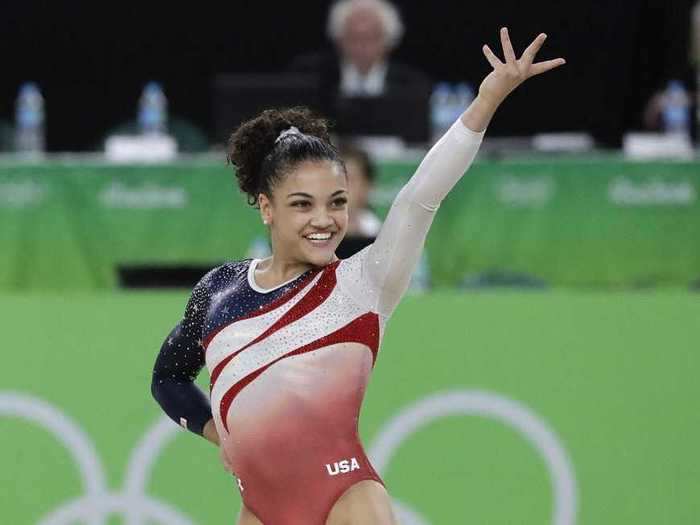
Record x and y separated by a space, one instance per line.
531 52
491 57
519 70
508 51
542 67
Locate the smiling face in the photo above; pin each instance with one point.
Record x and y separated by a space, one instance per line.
308 212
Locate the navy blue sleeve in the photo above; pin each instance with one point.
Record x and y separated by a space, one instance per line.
179 361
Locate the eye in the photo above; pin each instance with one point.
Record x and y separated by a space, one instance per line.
300 204
340 201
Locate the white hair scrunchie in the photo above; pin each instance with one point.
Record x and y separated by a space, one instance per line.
293 130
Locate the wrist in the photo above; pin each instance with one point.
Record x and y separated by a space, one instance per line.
478 115
209 432
489 101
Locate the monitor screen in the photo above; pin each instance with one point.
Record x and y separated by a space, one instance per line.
238 97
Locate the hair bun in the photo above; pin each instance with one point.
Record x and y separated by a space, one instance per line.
256 138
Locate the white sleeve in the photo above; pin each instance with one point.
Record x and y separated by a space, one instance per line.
389 262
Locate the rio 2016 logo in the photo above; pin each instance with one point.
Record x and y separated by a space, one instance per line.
137 508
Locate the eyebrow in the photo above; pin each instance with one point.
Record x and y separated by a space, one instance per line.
301 194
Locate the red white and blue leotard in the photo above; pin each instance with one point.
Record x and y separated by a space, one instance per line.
289 366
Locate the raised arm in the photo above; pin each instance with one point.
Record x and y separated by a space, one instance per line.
390 261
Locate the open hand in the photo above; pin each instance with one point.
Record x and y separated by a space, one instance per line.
506 77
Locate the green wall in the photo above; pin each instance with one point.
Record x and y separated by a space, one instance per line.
586 223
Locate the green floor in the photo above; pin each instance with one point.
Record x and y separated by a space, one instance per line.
613 376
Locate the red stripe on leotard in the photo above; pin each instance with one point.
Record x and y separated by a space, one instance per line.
314 297
363 330
282 299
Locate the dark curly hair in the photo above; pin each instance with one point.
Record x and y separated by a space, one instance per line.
261 160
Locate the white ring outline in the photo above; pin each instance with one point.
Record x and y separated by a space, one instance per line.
67 433
96 504
493 406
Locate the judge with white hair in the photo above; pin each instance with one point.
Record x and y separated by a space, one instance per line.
364 33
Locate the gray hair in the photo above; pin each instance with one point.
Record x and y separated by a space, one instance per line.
387 12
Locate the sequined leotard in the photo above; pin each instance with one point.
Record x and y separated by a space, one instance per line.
289 366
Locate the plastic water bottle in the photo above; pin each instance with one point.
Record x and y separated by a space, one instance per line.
440 110
676 109
29 120
464 95
153 110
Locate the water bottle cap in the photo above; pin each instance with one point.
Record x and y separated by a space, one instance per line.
152 87
28 88
676 85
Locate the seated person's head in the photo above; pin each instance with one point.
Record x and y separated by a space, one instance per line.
361 175
364 31
362 221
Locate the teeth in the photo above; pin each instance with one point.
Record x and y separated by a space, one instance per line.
319 236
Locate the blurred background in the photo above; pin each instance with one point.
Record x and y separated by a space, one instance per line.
557 299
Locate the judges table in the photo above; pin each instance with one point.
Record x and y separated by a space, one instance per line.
595 222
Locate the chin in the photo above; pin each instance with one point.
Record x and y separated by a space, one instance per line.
321 257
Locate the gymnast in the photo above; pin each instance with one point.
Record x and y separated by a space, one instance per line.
290 341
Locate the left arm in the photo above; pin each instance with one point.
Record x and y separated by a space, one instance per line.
394 255
179 361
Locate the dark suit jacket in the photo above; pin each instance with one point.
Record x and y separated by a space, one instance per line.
327 66
401 81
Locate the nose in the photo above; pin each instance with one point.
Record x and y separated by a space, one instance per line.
321 219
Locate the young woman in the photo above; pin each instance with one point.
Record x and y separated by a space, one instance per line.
290 341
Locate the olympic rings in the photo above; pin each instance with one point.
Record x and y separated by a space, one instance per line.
137 507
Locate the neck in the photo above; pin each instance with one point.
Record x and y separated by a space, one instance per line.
278 269
365 69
